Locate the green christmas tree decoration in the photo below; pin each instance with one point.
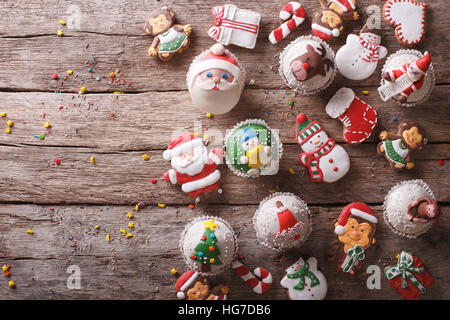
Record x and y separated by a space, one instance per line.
206 252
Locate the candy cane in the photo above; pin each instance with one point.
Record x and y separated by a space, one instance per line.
297 12
257 285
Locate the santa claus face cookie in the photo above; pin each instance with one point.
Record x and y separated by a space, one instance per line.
193 286
282 221
215 80
410 208
307 65
326 161
253 149
209 245
304 281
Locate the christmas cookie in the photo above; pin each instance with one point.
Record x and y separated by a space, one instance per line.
326 161
307 65
358 58
215 80
407 77
397 148
169 38
296 15
235 26
359 118
304 281
410 208
260 280
355 230
408 18
208 245
194 167
282 221
253 149
345 8
194 286
409 276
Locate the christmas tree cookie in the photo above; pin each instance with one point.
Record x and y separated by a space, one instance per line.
253 149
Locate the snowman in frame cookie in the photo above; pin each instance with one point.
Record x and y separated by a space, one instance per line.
169 38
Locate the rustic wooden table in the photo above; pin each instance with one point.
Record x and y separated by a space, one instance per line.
116 123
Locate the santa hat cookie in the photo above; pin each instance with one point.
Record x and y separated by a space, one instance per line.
359 118
215 80
357 209
184 282
282 221
193 286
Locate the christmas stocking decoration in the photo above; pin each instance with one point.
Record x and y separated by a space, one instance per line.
359 118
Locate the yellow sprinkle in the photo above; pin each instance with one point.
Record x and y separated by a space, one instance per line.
209 115
161 205
97 227
173 271
69 72
60 33
29 231
108 238
92 159
291 171
5 268
398 256
145 157
122 231
130 215
131 225
272 191
10 123
365 92
212 260
11 284
47 125
62 22
129 235
8 130
206 136
3 114
136 208
82 90
116 92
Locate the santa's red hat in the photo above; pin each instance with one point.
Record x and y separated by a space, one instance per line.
346 5
357 209
216 57
323 32
184 282
181 144
423 63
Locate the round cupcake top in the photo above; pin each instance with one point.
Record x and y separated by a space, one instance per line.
208 244
282 221
307 65
253 149
396 204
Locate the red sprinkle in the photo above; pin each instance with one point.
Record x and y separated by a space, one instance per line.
440 162
154 181
55 76
57 161
111 114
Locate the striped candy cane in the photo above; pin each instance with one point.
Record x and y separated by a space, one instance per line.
253 280
297 12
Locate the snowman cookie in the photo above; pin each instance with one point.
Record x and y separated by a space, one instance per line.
326 161
304 281
358 58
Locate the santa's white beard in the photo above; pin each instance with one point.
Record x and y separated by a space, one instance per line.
192 166
215 101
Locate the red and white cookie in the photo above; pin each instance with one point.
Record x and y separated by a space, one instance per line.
408 18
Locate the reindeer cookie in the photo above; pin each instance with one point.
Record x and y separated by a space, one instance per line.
307 65
169 38
397 148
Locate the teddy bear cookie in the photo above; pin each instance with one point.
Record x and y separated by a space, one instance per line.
408 18
253 149
215 80
358 58
208 245
304 281
397 147
194 286
410 208
169 38
355 230
359 118
194 167
307 65
407 77
409 276
326 161
282 221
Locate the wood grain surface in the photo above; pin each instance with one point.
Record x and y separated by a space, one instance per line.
118 122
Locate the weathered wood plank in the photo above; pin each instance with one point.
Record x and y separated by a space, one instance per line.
29 66
66 236
31 175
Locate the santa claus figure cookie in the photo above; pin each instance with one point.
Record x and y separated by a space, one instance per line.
235 26
253 149
410 208
355 230
408 18
208 245
194 167
282 221
194 286
304 281
215 80
358 58
359 118
307 65
407 77
326 161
